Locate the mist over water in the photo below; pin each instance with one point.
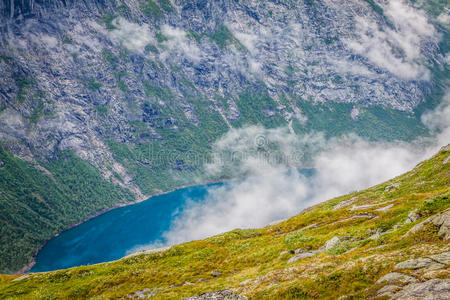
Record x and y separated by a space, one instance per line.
272 184
272 189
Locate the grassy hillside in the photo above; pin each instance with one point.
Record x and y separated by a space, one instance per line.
38 201
349 245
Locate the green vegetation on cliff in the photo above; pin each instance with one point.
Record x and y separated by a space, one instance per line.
38 201
348 245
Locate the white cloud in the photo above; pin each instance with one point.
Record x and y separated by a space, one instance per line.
273 189
133 36
179 45
396 49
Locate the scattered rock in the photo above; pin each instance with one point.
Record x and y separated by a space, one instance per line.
216 273
434 289
188 283
418 263
350 250
443 258
388 290
446 160
395 277
308 227
298 251
21 277
391 187
287 252
362 207
245 282
412 217
358 216
442 220
144 294
302 256
376 235
344 203
331 243
219 295
384 208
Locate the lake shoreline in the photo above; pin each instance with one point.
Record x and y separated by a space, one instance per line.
30 265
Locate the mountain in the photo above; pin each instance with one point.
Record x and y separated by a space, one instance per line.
391 240
108 102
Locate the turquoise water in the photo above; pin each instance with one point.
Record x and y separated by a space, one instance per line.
114 234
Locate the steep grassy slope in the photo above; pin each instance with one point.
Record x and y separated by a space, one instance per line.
141 89
359 238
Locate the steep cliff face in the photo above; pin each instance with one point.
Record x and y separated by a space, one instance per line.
120 82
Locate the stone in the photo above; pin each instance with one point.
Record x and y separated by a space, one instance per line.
218 295
331 243
362 207
434 289
216 273
395 277
350 250
344 203
442 220
144 294
391 187
287 252
298 251
418 263
245 282
388 290
443 258
412 217
301 256
385 207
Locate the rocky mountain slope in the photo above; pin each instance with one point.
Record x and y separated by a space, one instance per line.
133 92
389 241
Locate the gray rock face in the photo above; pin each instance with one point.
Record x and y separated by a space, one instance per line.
399 278
219 295
78 73
414 264
331 243
412 217
406 286
302 256
442 220
434 289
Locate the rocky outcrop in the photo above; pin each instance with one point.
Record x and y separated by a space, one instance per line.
414 279
219 295
441 220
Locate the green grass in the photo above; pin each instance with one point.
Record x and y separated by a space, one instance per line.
255 253
375 7
151 9
222 37
107 20
92 84
374 122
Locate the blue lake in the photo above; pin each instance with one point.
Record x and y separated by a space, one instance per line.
114 234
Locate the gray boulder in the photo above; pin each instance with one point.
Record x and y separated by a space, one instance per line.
434 289
218 295
302 256
394 278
